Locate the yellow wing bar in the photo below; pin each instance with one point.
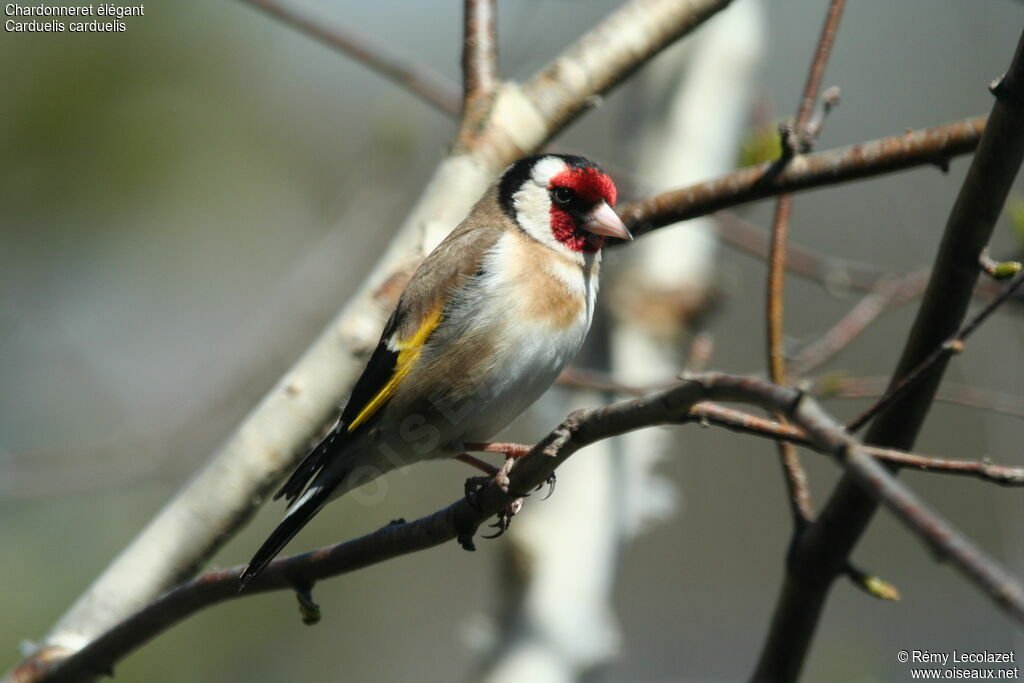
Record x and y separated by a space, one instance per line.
408 351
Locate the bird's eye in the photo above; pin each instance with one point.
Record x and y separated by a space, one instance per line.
563 195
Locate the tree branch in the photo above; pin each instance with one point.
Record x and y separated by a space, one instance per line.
934 146
460 519
710 413
799 494
609 53
889 293
823 551
825 269
480 49
940 355
958 394
479 67
425 83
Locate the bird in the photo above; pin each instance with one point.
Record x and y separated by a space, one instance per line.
483 327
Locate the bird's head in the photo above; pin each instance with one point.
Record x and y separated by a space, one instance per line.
564 202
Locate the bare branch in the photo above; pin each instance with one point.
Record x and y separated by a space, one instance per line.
460 519
955 344
888 294
425 83
479 68
832 272
934 146
610 52
710 413
822 552
809 99
480 49
958 394
799 494
797 489
824 269
1004 475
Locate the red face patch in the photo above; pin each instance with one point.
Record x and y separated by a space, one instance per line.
588 183
592 187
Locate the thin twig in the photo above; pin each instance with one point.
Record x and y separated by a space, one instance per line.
832 272
710 413
427 84
817 71
998 270
799 494
985 470
797 489
829 271
888 294
958 394
462 518
932 361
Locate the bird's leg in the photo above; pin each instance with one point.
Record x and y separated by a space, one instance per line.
509 450
512 452
485 467
513 508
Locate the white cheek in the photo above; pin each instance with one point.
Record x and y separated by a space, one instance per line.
533 213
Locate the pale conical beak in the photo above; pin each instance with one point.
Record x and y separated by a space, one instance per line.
604 221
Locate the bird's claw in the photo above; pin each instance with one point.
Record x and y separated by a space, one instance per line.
550 481
505 517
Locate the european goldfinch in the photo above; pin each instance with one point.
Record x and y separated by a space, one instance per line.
482 329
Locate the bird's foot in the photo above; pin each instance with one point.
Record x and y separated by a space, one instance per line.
500 476
472 490
505 517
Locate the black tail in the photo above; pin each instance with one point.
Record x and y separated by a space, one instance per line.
313 463
296 518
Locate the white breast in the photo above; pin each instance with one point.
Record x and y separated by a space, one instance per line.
536 339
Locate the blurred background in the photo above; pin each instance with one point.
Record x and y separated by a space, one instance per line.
184 206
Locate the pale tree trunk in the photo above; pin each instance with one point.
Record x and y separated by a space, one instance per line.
560 562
